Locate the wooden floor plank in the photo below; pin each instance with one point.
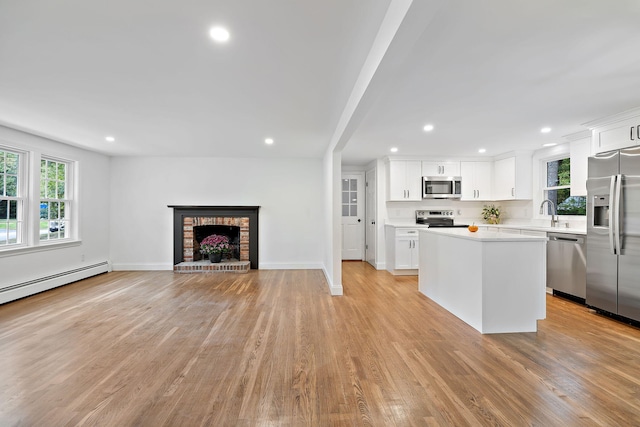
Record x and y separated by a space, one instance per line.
274 348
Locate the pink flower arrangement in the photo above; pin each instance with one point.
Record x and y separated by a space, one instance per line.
215 244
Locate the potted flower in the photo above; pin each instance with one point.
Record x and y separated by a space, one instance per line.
491 214
215 246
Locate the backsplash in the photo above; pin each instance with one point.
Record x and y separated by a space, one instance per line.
513 211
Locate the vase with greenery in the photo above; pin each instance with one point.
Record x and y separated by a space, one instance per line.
491 214
215 246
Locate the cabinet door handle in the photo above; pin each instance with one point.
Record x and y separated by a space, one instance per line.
638 131
631 133
513 191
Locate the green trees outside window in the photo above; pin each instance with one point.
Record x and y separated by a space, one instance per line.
558 189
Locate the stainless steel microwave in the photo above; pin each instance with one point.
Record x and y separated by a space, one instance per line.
441 187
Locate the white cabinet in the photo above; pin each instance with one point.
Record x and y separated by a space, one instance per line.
440 168
580 151
404 180
504 181
512 178
406 252
476 180
613 135
401 250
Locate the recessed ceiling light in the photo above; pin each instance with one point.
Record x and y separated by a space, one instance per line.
219 34
549 144
482 150
545 130
110 139
428 128
268 141
394 149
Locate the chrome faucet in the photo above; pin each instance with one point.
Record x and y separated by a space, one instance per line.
554 212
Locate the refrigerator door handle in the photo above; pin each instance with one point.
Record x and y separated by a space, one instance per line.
612 192
617 221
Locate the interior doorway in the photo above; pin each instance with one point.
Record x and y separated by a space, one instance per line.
352 205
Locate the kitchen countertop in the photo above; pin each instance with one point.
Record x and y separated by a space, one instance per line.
531 227
482 236
581 231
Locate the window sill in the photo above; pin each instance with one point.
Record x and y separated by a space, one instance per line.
47 246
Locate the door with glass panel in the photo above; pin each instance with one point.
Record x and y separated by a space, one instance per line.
352 206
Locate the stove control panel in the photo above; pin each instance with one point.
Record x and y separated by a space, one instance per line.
423 214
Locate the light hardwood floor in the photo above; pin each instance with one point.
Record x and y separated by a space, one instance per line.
274 348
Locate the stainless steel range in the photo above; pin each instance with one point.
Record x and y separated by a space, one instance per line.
437 218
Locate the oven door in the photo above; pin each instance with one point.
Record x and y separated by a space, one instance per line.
441 187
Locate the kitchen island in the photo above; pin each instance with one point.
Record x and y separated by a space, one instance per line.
495 282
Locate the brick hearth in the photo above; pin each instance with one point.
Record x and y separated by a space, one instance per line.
206 266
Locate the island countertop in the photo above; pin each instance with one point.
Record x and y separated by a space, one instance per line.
482 236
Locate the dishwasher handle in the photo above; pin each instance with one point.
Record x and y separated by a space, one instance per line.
578 240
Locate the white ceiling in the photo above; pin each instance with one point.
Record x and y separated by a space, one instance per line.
486 74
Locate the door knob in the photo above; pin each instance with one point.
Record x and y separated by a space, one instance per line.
359 220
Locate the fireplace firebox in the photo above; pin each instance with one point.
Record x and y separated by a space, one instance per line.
191 224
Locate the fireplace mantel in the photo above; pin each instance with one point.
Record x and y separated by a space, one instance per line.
180 212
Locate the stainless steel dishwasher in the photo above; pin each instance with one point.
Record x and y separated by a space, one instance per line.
567 264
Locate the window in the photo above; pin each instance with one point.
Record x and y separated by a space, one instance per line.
350 197
11 198
54 199
558 189
29 218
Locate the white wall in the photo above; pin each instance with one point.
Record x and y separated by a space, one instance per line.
93 214
289 191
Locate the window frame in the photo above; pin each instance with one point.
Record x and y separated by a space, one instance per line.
29 188
21 197
542 183
70 224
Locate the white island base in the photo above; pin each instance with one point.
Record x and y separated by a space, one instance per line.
494 282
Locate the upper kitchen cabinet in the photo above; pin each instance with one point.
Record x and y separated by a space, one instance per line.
580 150
615 132
440 168
404 180
512 178
476 180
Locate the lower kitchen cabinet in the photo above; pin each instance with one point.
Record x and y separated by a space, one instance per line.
402 249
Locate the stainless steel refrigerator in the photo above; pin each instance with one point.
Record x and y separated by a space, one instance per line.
613 232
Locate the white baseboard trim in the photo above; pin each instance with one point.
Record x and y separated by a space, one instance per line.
301 266
141 267
32 287
262 266
380 266
333 289
336 291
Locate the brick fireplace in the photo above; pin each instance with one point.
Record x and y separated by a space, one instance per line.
239 223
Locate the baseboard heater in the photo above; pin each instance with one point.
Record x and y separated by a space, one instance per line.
31 287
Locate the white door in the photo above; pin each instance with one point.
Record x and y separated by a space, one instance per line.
370 227
353 216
